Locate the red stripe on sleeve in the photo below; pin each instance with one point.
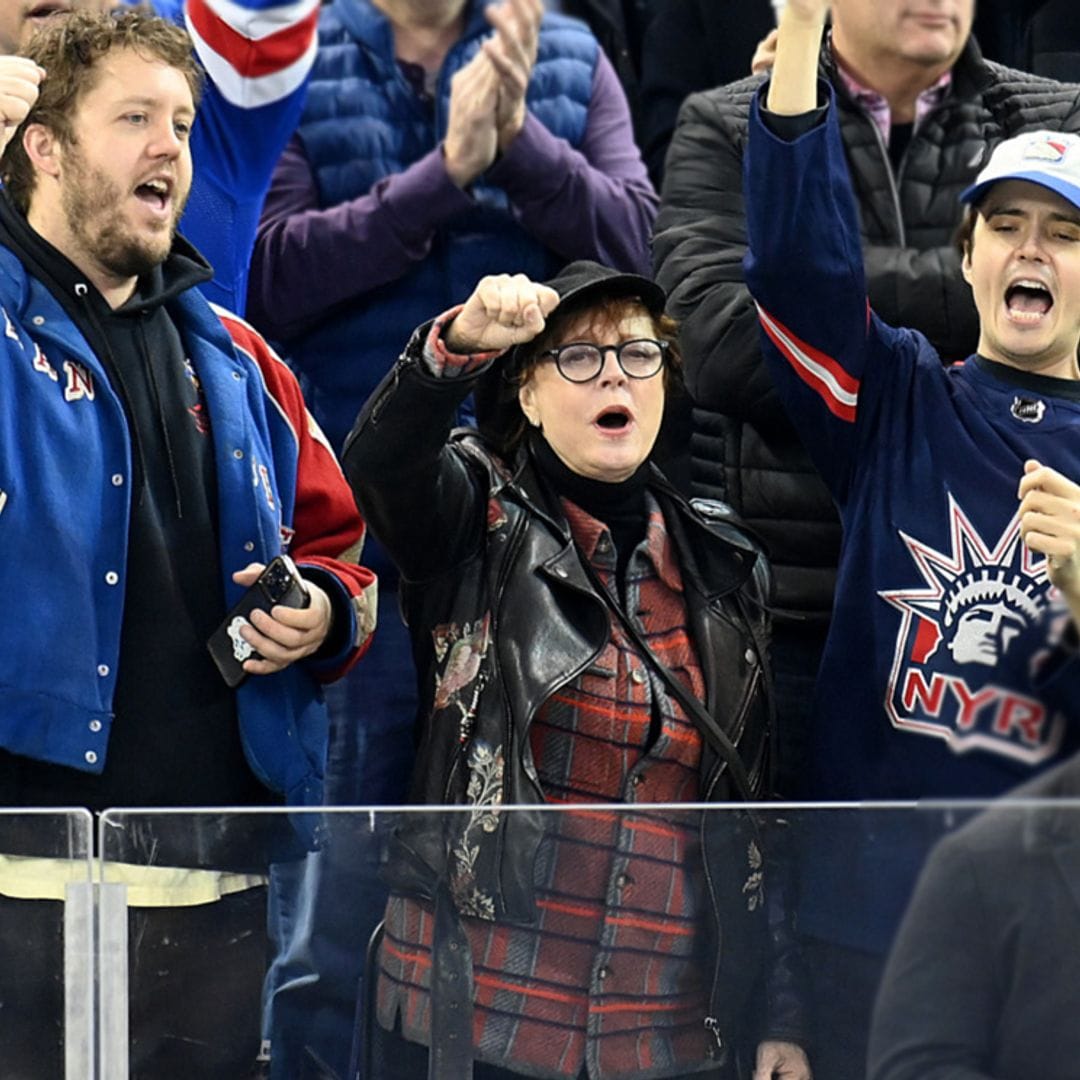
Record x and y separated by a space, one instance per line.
847 382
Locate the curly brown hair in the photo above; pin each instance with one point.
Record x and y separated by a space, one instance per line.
70 49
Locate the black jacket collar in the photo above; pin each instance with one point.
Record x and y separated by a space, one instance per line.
717 560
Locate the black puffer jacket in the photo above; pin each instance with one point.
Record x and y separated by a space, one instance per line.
489 566
743 449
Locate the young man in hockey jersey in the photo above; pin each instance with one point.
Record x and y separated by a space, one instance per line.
951 667
154 455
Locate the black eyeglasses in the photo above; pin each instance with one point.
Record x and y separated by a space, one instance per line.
582 361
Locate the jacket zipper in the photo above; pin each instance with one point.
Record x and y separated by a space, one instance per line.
740 725
894 190
895 178
379 403
711 1023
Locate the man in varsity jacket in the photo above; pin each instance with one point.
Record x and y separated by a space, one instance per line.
154 455
951 667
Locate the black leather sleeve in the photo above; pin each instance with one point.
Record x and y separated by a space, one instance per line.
420 497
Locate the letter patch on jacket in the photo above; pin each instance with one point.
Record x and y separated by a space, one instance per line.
80 383
42 364
9 329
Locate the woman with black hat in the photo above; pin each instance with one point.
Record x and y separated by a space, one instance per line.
583 635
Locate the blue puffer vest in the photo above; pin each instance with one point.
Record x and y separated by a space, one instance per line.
363 122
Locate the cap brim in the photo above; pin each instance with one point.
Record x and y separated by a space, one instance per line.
1069 192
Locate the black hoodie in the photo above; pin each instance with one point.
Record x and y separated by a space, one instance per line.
175 739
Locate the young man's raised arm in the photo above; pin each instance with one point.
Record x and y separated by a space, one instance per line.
804 266
793 86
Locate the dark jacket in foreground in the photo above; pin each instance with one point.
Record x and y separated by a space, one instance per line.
744 450
982 982
471 539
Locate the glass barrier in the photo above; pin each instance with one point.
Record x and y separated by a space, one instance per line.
660 941
46 945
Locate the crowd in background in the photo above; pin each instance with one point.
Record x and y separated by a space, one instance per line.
359 170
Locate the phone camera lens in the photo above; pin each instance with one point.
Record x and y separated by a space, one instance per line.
277 583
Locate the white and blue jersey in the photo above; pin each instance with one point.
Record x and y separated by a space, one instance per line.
257 55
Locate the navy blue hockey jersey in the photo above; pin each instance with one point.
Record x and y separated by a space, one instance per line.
940 675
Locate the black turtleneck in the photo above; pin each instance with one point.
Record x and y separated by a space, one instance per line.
175 737
620 505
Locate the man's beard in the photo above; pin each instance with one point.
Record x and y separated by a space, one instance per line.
92 204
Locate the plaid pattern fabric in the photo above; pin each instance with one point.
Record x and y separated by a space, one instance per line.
611 976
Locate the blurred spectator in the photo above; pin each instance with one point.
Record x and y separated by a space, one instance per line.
135 420
20 21
423 161
620 26
951 666
1054 45
1040 36
981 982
1003 30
580 943
432 151
692 45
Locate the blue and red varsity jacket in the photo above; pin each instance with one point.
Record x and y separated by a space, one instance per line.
65 489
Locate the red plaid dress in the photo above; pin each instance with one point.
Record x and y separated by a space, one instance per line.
611 976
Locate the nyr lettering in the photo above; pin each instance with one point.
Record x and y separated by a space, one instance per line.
960 669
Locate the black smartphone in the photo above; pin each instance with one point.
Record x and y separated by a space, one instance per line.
279 583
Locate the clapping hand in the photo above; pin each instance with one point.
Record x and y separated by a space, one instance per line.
471 137
512 51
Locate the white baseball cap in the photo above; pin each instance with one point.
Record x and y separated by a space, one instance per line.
1049 158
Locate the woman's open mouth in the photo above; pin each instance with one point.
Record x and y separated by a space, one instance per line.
614 420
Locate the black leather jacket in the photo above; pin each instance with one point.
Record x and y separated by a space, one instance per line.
744 449
486 561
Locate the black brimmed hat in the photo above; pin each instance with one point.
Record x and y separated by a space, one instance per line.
583 277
